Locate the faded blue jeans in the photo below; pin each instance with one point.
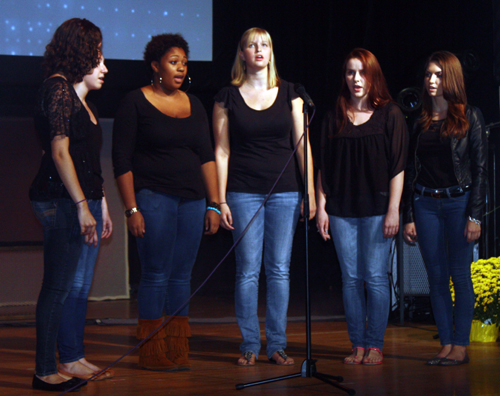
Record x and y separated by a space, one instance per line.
71 329
363 253
272 233
174 227
440 227
62 246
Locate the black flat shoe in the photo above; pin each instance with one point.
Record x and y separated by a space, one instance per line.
74 382
452 362
434 361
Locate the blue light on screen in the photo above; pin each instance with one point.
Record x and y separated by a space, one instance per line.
127 25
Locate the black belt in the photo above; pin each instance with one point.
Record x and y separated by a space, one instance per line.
455 191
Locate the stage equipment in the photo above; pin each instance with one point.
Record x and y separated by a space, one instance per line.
308 368
412 275
409 99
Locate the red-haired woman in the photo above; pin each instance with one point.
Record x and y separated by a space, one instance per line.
445 194
360 183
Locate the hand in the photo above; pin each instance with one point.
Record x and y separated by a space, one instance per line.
410 233
212 221
107 224
226 218
87 223
472 231
323 224
136 225
391 223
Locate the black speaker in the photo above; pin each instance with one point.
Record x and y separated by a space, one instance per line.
413 273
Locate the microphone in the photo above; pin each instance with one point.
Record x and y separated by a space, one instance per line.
301 91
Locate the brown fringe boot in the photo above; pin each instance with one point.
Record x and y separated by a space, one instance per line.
152 354
177 332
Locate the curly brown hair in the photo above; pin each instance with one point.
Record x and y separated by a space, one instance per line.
159 45
74 51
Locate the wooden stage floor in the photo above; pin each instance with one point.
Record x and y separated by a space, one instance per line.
214 350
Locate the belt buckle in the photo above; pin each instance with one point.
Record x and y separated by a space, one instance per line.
436 195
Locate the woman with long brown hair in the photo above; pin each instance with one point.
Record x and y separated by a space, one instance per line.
67 197
445 194
359 191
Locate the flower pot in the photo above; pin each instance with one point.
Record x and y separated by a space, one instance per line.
481 332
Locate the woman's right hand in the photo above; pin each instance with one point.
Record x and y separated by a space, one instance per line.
135 224
87 224
226 218
322 223
410 233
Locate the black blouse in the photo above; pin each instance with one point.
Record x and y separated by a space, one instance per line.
261 143
164 153
359 162
436 163
60 113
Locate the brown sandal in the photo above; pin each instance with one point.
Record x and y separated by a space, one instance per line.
286 361
247 359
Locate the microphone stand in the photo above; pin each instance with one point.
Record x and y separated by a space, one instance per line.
308 368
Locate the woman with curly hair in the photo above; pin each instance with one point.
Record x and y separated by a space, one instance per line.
364 146
67 197
164 166
444 197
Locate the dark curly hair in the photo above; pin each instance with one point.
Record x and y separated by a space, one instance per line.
75 49
160 45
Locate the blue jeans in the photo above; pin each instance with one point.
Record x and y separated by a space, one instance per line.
272 232
71 329
363 253
62 246
174 227
440 227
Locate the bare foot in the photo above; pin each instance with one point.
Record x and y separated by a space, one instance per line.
373 357
457 353
281 359
53 379
356 356
444 351
109 373
247 359
76 369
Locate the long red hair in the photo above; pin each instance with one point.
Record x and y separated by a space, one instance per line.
378 94
456 123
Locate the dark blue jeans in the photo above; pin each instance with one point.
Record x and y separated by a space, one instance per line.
62 246
71 329
440 227
174 227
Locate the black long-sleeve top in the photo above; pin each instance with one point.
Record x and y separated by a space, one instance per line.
164 153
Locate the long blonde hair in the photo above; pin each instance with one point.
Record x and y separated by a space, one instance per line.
238 72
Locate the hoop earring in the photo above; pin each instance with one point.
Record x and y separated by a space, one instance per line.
189 83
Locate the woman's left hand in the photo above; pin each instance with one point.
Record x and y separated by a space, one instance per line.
312 208
391 224
107 224
472 231
212 221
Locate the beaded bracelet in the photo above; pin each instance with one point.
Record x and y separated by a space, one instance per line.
84 199
475 221
214 209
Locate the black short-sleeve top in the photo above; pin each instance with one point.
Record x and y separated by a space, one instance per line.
261 143
59 112
359 162
164 153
